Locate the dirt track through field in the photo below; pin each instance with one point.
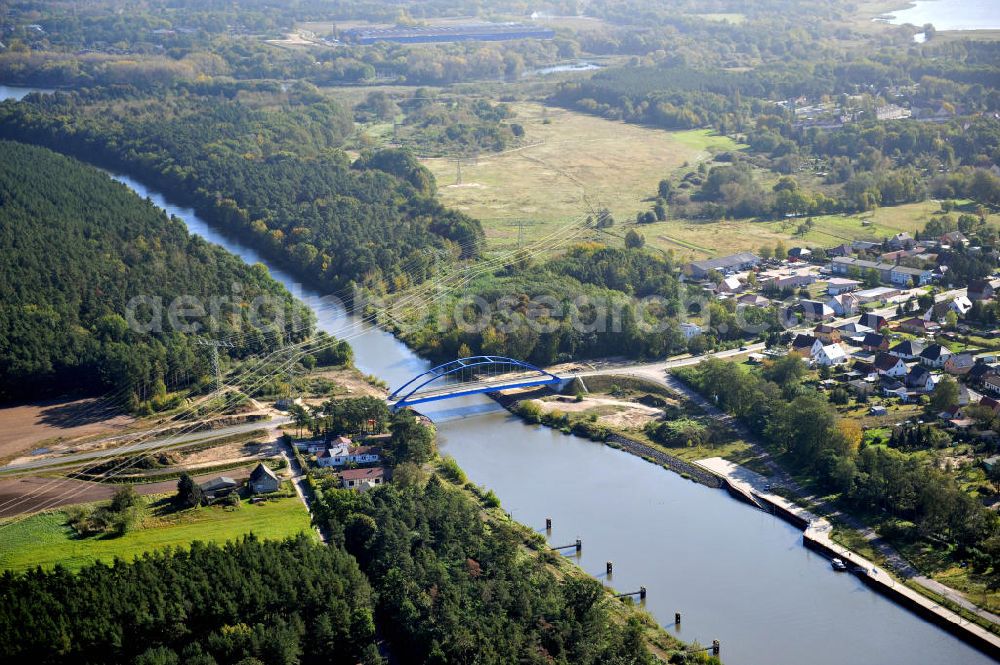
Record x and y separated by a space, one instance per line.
24 426
64 491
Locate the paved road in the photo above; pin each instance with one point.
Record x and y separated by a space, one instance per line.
152 444
298 479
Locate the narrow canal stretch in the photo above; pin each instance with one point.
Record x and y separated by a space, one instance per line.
735 573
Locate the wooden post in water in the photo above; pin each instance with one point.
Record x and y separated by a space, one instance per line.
579 545
642 593
677 618
548 524
610 568
715 647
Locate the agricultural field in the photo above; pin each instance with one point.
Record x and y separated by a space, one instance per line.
55 424
572 163
46 540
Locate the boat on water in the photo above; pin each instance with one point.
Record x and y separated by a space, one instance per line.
838 565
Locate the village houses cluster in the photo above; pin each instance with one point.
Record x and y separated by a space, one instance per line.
358 466
871 314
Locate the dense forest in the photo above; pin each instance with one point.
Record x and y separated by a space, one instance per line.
274 175
75 248
250 601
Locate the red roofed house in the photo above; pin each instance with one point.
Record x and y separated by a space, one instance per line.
362 479
887 365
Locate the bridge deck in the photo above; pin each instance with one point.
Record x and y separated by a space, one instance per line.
477 388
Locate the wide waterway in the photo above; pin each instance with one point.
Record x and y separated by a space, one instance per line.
949 14
735 573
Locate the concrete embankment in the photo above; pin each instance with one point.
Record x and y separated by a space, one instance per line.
742 482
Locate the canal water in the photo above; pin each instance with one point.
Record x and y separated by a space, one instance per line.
14 92
949 14
735 573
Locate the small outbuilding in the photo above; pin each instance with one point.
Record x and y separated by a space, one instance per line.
263 480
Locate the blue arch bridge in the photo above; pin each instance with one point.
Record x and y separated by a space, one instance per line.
471 376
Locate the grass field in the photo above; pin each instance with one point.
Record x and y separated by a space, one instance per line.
576 161
697 239
735 19
576 158
45 539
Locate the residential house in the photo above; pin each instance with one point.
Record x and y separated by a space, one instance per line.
979 371
779 280
341 454
826 333
991 382
909 349
722 264
845 265
690 330
891 366
831 354
840 250
844 304
990 403
335 455
893 388
905 276
958 363
863 368
753 300
892 112
954 238
216 487
888 273
263 480
875 342
918 326
813 310
855 328
952 413
980 289
806 345
861 388
362 479
366 455
920 379
873 321
800 254
935 356
837 285
731 284
311 446
960 305
894 257
902 240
